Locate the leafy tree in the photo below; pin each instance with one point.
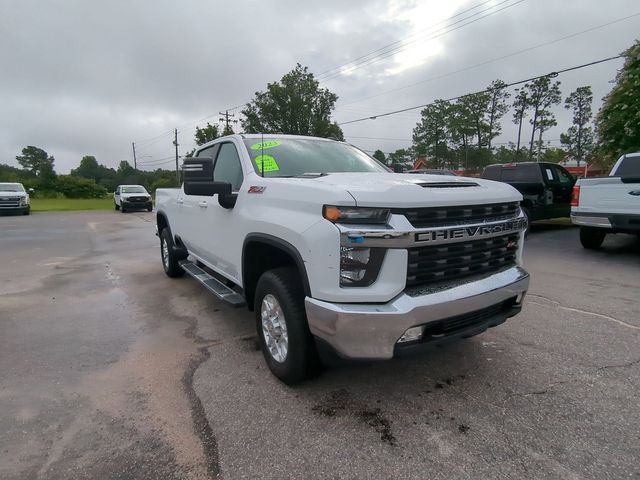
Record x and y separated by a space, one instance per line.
379 155
469 112
90 168
579 137
77 187
430 135
399 156
498 107
38 162
520 104
618 121
207 134
541 94
294 105
462 123
227 130
554 155
505 154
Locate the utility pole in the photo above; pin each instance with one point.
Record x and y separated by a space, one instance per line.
175 142
225 119
135 163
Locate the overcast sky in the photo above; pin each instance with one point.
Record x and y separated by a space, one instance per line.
88 78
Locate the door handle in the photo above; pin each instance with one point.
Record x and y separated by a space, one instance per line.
203 204
635 193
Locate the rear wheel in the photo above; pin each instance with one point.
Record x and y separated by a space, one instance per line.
168 254
281 323
592 238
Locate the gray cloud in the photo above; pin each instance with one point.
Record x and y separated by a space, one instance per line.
88 78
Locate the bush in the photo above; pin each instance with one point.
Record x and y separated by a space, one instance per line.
76 187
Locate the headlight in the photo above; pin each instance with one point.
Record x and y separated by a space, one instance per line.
358 215
23 200
359 267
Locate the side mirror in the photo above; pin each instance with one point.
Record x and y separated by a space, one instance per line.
31 190
198 180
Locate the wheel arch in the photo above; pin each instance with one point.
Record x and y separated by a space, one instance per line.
262 252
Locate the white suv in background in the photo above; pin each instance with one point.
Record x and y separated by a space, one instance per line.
132 197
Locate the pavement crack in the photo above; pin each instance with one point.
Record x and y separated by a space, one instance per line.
585 312
622 365
201 425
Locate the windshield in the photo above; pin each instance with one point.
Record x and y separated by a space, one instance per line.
133 190
293 157
11 187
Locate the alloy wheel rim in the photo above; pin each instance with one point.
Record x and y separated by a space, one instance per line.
274 328
165 254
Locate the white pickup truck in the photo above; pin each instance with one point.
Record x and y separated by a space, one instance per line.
337 254
610 204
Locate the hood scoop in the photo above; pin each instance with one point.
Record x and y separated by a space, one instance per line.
446 184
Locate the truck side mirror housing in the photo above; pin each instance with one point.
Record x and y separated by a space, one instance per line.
198 180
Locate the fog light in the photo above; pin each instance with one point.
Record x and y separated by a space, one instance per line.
412 334
519 298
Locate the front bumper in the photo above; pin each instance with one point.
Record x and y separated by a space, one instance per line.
137 205
371 331
15 209
614 222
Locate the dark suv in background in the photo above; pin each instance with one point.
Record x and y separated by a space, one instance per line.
545 187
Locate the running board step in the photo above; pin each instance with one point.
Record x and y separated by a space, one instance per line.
212 284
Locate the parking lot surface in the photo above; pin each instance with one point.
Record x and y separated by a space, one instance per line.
111 370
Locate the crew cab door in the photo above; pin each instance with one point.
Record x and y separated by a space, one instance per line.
560 183
116 196
216 230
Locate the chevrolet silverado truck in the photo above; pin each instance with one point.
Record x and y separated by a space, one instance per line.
604 205
335 254
14 198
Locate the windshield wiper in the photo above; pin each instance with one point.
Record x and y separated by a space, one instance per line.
312 174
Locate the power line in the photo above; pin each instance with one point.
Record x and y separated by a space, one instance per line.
393 51
512 54
384 47
551 74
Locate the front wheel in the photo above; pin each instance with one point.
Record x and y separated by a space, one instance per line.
592 238
281 323
116 206
168 255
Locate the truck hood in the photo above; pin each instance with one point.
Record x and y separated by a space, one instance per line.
129 195
12 194
394 190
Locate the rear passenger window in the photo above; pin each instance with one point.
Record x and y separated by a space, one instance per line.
522 173
491 173
228 168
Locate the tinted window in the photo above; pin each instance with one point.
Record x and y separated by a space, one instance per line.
521 173
491 173
562 175
209 151
287 157
629 167
228 168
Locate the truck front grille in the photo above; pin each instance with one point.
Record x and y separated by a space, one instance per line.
441 216
137 199
443 263
9 202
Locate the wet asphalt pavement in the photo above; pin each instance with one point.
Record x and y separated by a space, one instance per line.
111 370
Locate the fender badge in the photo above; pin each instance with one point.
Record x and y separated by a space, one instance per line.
256 189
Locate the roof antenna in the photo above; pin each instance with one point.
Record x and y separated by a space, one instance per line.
262 153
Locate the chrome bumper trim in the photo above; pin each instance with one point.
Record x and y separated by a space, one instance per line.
590 221
370 331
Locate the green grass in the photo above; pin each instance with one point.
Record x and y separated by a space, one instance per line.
70 204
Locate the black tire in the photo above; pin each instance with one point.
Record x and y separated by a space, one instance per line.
116 206
27 211
149 209
592 238
169 256
527 215
122 209
301 360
